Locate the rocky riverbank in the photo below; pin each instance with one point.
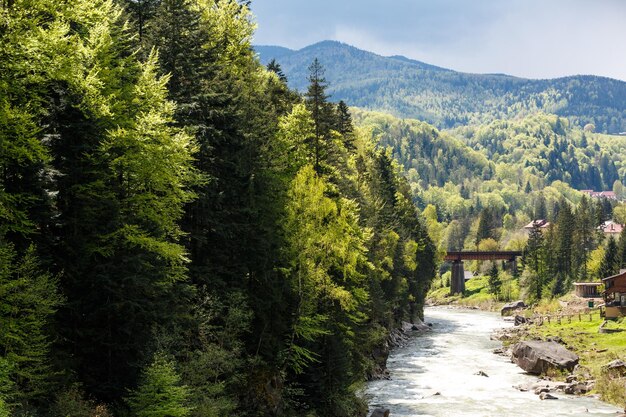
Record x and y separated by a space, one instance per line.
397 337
555 363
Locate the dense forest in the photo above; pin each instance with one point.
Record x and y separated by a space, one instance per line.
479 187
180 233
446 98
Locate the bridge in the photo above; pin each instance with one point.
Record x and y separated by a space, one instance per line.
457 283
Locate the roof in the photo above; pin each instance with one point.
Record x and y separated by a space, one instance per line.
611 227
589 284
540 223
600 194
622 274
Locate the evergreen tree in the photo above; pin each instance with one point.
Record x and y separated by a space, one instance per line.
610 263
275 67
485 225
30 297
160 393
534 260
541 212
494 281
622 249
344 121
565 224
321 111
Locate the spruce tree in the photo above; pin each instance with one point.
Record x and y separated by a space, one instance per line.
321 111
610 263
160 393
30 297
622 248
494 280
275 67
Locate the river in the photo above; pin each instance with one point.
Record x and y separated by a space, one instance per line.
446 360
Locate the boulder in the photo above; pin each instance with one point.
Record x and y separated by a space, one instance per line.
416 326
481 373
510 307
380 412
536 357
519 320
616 368
547 396
577 388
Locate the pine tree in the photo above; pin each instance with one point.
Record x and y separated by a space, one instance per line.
485 223
30 297
160 393
563 249
610 263
541 212
275 67
321 111
622 248
494 281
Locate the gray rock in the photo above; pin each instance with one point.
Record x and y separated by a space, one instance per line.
380 412
519 320
536 357
481 373
616 367
541 390
547 396
510 307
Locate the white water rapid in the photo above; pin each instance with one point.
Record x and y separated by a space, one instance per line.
446 360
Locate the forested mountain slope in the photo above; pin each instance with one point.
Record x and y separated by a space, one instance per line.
446 98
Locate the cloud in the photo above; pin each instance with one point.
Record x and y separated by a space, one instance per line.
530 38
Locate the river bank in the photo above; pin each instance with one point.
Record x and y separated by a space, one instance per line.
452 370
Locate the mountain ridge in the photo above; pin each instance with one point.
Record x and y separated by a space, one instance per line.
447 98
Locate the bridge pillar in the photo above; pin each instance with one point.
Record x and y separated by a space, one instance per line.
512 266
457 282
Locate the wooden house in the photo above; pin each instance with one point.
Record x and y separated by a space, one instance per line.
615 295
587 289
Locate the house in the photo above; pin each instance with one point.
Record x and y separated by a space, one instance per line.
615 295
542 224
600 194
587 289
610 228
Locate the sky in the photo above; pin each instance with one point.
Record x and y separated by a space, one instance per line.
526 38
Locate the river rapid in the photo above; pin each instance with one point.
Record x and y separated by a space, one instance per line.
446 360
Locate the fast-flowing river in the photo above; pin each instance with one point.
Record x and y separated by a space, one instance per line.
446 360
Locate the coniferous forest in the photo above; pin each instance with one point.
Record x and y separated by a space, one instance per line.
180 233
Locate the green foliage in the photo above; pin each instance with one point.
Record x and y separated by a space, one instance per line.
495 283
160 393
610 263
29 299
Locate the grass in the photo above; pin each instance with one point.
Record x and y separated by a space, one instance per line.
476 295
594 349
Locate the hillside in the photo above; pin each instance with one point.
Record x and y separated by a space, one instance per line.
446 98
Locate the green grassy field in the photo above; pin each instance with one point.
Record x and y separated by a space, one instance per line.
594 349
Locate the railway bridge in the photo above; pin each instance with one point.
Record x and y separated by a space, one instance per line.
457 282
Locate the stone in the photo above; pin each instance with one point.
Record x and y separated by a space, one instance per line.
510 307
481 373
519 320
380 412
547 396
541 390
536 357
577 388
616 367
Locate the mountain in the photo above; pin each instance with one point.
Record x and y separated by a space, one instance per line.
412 89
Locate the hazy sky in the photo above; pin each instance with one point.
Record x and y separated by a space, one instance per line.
529 38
